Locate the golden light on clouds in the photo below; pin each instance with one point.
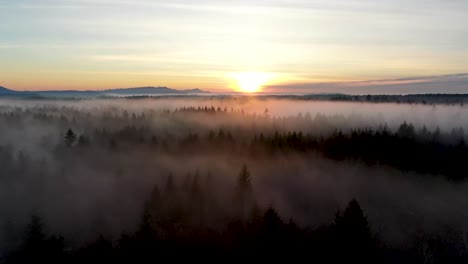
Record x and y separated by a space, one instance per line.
146 43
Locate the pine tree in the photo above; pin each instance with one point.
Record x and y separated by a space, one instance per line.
353 234
35 235
244 179
70 138
244 197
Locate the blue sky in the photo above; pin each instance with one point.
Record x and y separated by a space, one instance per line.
84 44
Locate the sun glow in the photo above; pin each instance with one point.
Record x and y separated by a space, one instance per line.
250 82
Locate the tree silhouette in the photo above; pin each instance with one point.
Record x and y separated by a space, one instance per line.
35 236
353 236
406 130
37 247
146 232
272 225
244 179
244 197
70 138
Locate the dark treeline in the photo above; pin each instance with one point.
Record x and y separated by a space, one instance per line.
128 184
404 99
174 227
429 99
407 148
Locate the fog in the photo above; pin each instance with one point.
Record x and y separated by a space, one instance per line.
444 116
99 186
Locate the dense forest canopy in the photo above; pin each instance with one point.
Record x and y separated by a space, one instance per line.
135 179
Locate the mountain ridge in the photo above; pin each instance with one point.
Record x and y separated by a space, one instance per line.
152 90
132 91
4 90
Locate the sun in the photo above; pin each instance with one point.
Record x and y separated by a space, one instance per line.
250 82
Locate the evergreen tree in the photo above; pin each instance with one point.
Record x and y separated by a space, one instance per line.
35 236
244 197
243 182
37 247
70 138
353 235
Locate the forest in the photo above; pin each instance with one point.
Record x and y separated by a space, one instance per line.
232 179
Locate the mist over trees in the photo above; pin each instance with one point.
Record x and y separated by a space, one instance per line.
144 180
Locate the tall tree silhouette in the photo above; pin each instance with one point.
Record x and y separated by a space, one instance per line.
353 235
244 196
35 236
272 228
37 247
70 137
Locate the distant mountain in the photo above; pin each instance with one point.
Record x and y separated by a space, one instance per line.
152 91
6 91
195 91
95 93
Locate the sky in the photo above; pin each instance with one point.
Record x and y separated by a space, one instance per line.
184 44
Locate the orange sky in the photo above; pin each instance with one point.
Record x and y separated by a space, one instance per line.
100 44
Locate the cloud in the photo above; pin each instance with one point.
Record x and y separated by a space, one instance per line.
180 5
451 83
